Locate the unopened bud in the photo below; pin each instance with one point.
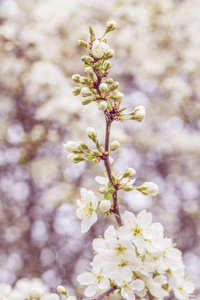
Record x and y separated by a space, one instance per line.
129 173
36 293
89 71
102 105
114 145
83 146
91 133
109 81
117 96
105 205
61 290
92 34
85 92
127 188
103 87
71 146
86 59
111 161
95 160
75 158
103 190
110 26
76 78
84 80
114 86
149 188
106 65
138 113
76 90
83 44
86 101
109 54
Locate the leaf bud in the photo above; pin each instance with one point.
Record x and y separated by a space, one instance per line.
76 78
76 90
83 44
127 188
129 173
103 190
138 113
114 145
102 105
61 290
110 26
35 293
148 188
85 92
84 80
109 81
71 146
89 71
109 54
105 205
92 34
91 133
103 87
114 86
86 101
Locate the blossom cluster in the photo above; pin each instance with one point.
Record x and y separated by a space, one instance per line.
135 259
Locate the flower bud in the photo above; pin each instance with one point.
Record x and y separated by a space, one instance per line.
91 133
86 59
92 34
83 44
110 26
71 146
111 161
84 80
114 86
117 96
114 145
109 81
149 188
138 113
103 87
129 173
76 90
75 158
89 71
86 101
76 78
102 105
86 92
109 54
99 48
103 189
83 146
95 160
106 65
105 205
127 188
36 293
61 290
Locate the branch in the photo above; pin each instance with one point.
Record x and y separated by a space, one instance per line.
99 297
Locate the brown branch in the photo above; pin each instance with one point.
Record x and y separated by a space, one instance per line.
101 296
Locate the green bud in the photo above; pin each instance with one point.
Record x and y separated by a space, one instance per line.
92 34
127 188
84 146
102 72
83 44
103 190
109 54
84 80
110 26
96 160
76 78
114 86
129 173
106 65
86 101
109 81
89 71
95 153
76 90
86 59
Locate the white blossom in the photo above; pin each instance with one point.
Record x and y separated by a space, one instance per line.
99 48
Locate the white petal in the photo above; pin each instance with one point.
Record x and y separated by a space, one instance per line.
86 278
129 219
124 293
144 219
140 244
90 290
109 269
110 232
84 193
137 285
126 273
88 222
104 284
124 232
101 180
131 295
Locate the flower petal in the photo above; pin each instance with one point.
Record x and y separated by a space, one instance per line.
101 180
88 222
86 278
137 285
90 290
104 284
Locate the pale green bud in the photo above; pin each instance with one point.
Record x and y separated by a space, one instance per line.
114 86
114 145
86 59
103 87
76 90
84 80
71 146
129 173
138 113
117 96
36 293
83 146
110 26
109 54
61 290
91 133
95 153
149 188
74 158
89 71
127 188
88 100
103 190
95 160
76 78
106 65
92 34
83 44
109 81
102 106
85 92
105 205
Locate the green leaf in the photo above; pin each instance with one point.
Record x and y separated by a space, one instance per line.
108 195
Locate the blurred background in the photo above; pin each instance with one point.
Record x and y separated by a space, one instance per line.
157 64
